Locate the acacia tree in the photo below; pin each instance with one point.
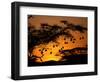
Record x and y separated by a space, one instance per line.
48 33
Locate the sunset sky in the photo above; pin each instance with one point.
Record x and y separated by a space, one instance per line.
51 51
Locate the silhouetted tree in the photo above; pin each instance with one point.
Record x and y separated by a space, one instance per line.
48 33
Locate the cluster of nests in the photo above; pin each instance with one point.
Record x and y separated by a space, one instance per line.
62 48
49 33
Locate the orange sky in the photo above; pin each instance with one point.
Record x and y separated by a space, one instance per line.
51 20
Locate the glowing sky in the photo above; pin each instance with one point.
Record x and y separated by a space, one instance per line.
51 52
